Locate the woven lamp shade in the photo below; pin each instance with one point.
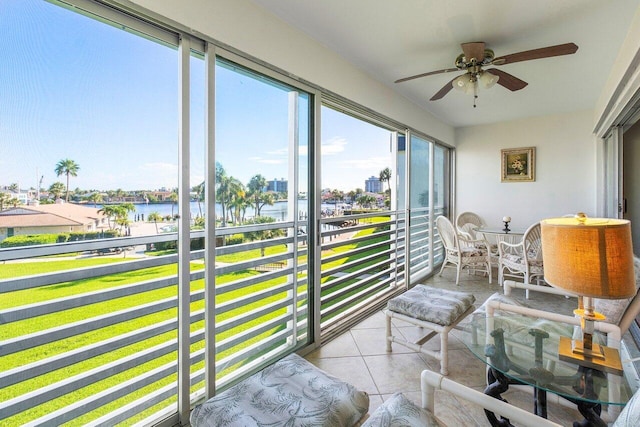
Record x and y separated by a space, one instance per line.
590 257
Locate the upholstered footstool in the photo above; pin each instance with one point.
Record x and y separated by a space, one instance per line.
291 392
400 411
436 310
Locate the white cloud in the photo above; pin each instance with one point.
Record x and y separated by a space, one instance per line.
333 146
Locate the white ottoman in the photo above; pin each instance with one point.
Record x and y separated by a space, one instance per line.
436 310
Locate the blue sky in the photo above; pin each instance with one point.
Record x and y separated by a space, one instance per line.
107 99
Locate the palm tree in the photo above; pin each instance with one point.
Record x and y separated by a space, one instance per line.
57 189
119 213
155 217
265 199
95 198
385 176
109 211
229 189
199 190
173 198
69 168
337 196
256 189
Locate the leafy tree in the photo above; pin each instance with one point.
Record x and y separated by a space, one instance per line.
14 187
57 189
263 234
366 200
69 168
4 200
385 176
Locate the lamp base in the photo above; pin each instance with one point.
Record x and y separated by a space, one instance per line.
610 362
577 347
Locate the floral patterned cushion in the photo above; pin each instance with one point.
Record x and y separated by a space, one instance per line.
468 252
516 262
399 411
439 306
292 392
614 309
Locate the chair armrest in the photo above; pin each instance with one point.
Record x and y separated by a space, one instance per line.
430 381
510 247
473 242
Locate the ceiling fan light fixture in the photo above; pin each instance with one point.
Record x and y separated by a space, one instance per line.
465 83
488 80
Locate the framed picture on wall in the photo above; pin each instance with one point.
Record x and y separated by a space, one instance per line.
518 164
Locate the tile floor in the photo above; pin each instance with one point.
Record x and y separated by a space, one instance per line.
359 356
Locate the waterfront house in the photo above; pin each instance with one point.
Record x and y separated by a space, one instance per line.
50 219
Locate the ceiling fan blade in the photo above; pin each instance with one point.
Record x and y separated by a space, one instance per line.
445 90
430 73
543 52
473 50
507 80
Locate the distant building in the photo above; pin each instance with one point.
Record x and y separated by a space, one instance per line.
278 186
24 197
373 185
47 219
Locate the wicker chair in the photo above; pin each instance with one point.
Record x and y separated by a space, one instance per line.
522 259
461 251
468 222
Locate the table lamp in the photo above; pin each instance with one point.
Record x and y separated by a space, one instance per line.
590 258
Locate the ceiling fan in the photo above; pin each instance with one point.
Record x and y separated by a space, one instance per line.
475 56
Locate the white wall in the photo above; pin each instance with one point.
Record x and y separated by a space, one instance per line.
565 169
250 29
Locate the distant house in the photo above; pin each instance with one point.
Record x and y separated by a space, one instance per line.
47 219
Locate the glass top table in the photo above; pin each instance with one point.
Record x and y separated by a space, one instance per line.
495 235
524 350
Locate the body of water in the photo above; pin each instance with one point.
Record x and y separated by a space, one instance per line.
278 211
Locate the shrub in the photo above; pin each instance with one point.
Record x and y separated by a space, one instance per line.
31 240
235 239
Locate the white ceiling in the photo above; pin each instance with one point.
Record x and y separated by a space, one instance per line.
391 39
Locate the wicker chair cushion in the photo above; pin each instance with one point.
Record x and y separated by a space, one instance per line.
399 411
292 392
434 305
516 262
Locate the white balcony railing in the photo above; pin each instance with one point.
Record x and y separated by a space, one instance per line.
93 339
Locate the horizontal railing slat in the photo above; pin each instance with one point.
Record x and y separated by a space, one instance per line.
72 329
